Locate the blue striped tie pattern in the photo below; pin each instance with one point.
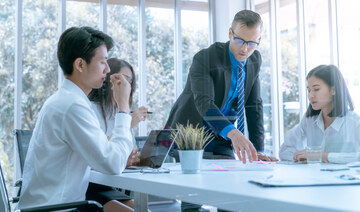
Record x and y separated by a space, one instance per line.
240 103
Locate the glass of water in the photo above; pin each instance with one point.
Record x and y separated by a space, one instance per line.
313 154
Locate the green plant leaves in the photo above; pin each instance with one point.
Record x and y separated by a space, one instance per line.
192 138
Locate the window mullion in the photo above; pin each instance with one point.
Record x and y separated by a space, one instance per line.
142 61
61 29
276 97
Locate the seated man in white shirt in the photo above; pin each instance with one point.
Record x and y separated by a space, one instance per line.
67 139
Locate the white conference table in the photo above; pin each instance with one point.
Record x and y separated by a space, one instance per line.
230 190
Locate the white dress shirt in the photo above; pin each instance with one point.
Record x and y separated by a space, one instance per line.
110 121
341 139
66 142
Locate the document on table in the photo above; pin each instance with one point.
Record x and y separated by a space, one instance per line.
321 180
236 165
227 165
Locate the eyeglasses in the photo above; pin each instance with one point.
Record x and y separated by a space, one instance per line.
240 42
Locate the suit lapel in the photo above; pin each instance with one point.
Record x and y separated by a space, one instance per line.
227 73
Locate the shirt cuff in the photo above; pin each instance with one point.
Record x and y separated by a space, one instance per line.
226 130
342 158
123 120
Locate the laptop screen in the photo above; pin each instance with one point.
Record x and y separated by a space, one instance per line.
156 148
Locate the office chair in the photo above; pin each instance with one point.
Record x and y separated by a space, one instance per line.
81 205
22 138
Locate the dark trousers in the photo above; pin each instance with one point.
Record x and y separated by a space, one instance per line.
219 148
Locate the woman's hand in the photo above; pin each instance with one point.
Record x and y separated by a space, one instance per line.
138 115
134 158
324 157
121 92
300 155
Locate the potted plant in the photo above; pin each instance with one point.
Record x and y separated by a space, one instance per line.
191 142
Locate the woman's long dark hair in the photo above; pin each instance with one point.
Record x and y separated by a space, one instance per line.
103 95
332 76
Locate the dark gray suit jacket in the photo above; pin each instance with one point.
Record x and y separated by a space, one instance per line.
207 88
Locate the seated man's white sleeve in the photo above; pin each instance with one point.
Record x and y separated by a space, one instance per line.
84 135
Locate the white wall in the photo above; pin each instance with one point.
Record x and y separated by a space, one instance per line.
225 11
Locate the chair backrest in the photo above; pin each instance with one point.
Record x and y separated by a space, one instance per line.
22 139
4 203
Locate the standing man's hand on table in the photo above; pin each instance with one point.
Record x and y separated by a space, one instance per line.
242 146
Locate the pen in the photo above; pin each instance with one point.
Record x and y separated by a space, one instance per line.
334 169
269 177
349 177
146 112
154 171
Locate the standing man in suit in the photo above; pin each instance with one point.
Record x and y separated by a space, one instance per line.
223 90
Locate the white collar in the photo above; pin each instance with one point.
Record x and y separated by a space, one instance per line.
75 89
336 125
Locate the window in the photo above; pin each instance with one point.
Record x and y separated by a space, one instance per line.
289 63
82 13
122 26
262 7
195 33
318 27
40 35
40 73
349 43
7 88
320 48
160 74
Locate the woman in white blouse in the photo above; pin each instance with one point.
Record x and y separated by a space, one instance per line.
102 102
329 122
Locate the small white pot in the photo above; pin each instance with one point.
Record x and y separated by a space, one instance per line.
190 161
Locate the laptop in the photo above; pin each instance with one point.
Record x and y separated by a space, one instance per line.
155 150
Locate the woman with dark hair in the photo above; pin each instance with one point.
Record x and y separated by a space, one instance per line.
102 102
329 120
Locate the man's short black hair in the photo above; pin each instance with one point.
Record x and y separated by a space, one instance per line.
80 42
247 17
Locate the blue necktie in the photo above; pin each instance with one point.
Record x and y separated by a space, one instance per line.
240 105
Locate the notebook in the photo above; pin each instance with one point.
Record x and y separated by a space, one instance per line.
324 179
155 150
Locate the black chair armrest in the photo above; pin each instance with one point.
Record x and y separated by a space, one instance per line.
79 205
18 183
14 199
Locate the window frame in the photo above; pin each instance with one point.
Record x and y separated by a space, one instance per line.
302 45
